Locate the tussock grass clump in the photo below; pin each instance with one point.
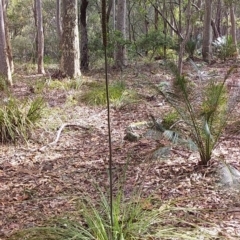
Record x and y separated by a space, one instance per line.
170 118
134 218
18 119
3 83
96 95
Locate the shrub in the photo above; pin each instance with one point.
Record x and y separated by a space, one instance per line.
224 47
204 109
191 47
18 119
154 41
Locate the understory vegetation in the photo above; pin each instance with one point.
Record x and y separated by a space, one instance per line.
205 108
119 120
18 118
194 112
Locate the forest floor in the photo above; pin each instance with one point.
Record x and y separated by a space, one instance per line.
37 182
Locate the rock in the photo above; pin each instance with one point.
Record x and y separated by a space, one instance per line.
229 176
131 136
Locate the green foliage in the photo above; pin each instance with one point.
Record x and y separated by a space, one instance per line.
3 83
128 97
204 108
134 218
191 47
64 84
225 47
154 41
97 93
169 119
18 119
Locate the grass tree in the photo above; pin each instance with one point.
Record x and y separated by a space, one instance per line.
204 108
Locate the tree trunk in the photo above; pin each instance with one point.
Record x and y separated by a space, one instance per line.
5 70
215 30
110 4
120 54
58 19
233 27
84 36
70 63
218 17
207 32
188 30
8 42
40 37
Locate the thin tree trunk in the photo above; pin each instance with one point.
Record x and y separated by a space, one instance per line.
233 28
218 17
84 36
58 19
164 29
120 54
40 37
186 36
8 42
215 30
110 4
5 70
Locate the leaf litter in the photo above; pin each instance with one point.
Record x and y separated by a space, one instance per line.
37 185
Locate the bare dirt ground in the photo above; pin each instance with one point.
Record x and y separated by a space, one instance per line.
37 183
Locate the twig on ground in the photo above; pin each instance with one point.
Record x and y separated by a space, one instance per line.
60 131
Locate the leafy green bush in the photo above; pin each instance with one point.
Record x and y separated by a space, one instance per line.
191 47
224 47
18 119
204 109
153 42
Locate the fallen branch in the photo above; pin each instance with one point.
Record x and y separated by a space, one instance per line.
60 131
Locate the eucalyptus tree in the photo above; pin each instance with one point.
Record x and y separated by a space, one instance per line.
84 63
120 53
58 18
207 32
232 5
179 20
70 59
8 41
5 70
40 36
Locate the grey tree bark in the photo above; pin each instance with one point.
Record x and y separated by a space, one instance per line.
8 42
233 27
5 70
186 35
70 59
84 36
207 32
120 53
40 36
58 18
